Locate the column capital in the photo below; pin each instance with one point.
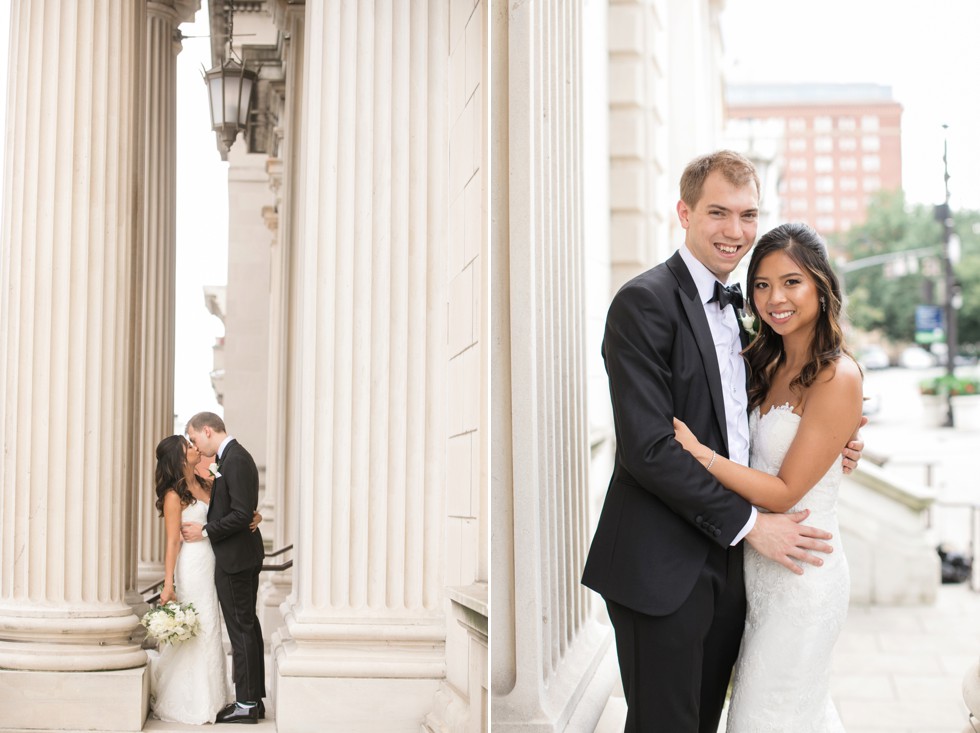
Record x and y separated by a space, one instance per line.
181 11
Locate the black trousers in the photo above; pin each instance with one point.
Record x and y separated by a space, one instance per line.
237 594
676 668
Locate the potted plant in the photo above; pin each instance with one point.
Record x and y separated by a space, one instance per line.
964 396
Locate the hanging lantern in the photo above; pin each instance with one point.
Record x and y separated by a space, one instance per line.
230 89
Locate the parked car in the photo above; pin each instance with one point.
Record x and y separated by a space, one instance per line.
915 357
873 357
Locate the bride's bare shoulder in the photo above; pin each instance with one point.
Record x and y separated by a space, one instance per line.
842 378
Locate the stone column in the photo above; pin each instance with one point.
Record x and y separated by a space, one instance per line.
155 393
71 228
547 646
363 644
284 402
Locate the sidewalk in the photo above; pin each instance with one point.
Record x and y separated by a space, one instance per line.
901 669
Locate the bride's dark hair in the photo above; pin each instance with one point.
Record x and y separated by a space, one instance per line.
765 353
171 458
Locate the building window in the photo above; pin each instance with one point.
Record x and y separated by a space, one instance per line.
823 164
848 203
797 124
797 144
847 164
823 124
825 204
871 143
797 204
823 144
871 163
869 123
797 164
847 124
824 184
825 223
847 144
848 183
872 184
797 184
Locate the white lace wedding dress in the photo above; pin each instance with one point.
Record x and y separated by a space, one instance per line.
189 682
782 675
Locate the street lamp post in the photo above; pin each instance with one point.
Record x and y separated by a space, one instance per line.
950 283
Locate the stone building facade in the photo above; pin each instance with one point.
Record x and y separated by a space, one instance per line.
359 218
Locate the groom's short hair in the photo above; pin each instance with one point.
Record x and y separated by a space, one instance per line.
736 169
208 419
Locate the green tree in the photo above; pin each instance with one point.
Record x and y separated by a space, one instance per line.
883 295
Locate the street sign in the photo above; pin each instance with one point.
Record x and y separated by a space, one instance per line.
929 324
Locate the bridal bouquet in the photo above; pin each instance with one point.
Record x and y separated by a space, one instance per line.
172 622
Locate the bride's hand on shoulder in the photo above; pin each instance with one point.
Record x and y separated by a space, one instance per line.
256 518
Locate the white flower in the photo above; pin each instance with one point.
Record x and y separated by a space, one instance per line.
172 622
748 323
213 468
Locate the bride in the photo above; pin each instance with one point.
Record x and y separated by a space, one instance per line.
188 681
805 401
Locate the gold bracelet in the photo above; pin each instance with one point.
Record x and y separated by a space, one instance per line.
714 455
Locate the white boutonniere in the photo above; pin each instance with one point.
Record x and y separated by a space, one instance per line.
213 468
748 323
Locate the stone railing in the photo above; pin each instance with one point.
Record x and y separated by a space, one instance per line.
885 531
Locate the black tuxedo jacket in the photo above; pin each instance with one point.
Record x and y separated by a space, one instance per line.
662 511
234 497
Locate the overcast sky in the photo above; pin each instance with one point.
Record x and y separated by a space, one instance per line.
927 51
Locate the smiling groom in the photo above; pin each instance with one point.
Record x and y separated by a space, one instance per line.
238 555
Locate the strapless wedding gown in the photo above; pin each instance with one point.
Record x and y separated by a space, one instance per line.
189 682
782 677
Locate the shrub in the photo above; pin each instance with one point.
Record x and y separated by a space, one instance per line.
949 384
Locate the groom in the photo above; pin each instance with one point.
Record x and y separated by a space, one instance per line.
238 555
667 555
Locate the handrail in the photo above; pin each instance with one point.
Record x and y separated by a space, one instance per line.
276 568
270 568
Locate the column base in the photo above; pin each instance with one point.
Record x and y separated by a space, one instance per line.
105 701
356 677
576 693
351 704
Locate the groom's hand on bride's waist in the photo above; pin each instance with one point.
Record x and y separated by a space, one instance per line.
784 539
191 532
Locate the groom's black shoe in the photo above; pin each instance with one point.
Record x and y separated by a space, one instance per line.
261 709
234 714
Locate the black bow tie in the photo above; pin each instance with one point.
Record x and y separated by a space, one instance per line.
731 295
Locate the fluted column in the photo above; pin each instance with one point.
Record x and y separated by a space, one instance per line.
363 644
155 394
71 226
546 643
285 278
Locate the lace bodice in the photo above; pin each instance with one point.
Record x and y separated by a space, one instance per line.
776 690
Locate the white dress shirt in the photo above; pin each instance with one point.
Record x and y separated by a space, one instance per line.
726 335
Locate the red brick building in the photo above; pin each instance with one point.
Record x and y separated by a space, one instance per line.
840 143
